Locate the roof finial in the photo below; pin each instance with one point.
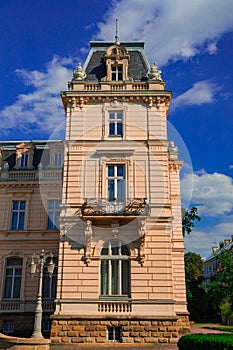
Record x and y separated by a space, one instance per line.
117 42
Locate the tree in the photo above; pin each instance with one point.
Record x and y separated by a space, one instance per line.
198 304
220 289
188 217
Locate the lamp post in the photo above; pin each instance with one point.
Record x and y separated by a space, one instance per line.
39 261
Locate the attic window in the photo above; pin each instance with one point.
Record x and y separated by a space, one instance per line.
117 72
24 160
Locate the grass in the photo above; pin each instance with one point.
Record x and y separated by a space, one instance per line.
216 326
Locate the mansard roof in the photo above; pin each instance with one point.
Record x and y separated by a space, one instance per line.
95 67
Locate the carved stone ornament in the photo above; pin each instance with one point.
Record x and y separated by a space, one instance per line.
88 236
154 73
78 74
141 240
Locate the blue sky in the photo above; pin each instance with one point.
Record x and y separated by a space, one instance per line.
42 42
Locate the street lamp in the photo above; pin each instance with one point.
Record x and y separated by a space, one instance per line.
39 261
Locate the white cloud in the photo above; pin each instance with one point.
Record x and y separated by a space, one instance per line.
202 92
212 193
41 109
172 30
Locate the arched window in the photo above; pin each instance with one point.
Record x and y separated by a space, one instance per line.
115 269
50 282
13 278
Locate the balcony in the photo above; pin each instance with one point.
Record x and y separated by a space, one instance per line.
105 207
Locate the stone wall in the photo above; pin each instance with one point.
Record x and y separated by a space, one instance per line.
132 330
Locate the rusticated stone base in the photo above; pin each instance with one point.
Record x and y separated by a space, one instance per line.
135 330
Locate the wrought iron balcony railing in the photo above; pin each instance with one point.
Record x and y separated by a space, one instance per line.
116 207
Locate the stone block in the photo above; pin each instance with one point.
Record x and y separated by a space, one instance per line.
72 334
66 340
144 323
100 340
138 340
78 328
163 340
77 340
138 328
90 328
151 340
100 328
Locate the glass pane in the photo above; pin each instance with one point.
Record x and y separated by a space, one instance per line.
22 205
115 250
18 272
50 224
111 115
111 170
110 333
57 204
9 272
51 205
119 75
7 289
120 189
124 250
15 205
14 261
111 128
17 287
111 189
125 277
114 76
14 221
119 129
21 221
104 251
115 273
104 277
121 170
119 115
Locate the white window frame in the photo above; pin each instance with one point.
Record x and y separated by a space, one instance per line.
115 178
18 212
109 258
117 70
115 118
115 339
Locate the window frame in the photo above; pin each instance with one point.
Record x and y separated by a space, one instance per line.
55 213
115 123
117 72
18 213
115 179
13 276
107 279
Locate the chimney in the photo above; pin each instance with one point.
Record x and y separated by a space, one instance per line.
214 249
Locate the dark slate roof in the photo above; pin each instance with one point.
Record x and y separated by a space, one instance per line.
95 68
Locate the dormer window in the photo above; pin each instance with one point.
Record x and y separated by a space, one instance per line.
57 159
24 160
117 73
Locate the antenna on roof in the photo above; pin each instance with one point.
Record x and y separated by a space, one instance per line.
117 42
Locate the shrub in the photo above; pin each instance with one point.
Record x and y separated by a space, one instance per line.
206 341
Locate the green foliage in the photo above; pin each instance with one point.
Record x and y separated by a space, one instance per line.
206 341
226 309
188 218
220 289
198 304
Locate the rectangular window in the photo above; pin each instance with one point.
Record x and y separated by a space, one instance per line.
117 73
18 215
53 214
114 334
116 181
115 124
58 159
24 160
13 277
8 327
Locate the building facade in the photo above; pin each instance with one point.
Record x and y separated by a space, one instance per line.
110 213
30 196
121 253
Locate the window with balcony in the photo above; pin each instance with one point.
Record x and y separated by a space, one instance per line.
115 124
18 215
115 269
53 214
50 282
117 72
13 278
116 182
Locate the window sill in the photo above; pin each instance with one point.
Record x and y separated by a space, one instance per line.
114 298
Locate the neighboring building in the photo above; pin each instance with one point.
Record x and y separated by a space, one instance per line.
211 263
120 250
30 195
121 256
